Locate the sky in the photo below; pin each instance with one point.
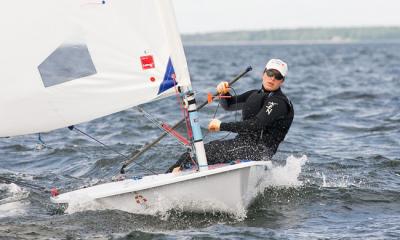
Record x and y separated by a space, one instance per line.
200 16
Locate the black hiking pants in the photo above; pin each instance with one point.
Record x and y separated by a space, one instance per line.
225 151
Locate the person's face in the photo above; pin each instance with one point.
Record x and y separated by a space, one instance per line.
271 80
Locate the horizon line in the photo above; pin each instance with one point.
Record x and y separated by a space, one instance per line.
290 29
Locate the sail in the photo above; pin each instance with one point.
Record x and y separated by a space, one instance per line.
66 62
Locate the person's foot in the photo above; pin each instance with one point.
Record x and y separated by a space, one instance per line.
119 177
176 170
181 163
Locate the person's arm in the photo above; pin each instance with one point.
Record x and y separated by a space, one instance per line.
235 103
273 109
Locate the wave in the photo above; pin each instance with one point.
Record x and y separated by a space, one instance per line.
353 95
12 200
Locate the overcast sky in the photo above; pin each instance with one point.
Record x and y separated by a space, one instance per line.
225 15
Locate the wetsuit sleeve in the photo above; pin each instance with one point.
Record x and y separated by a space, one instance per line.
235 102
272 110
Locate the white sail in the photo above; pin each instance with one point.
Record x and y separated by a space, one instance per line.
65 62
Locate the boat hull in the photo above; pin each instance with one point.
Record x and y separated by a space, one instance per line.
229 188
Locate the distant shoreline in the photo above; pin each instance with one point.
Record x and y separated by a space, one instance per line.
285 42
296 36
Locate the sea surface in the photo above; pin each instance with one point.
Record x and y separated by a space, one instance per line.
336 176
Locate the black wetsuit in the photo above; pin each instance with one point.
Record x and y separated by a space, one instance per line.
267 117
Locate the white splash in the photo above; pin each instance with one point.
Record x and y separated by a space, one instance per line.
284 176
83 203
13 204
339 182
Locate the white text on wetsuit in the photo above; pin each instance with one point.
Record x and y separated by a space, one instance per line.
270 106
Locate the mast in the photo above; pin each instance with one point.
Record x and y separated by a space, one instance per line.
198 143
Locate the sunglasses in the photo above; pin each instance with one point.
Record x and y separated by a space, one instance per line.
274 73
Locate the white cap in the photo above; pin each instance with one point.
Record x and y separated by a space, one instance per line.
279 65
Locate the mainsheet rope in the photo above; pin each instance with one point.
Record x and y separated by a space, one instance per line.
216 110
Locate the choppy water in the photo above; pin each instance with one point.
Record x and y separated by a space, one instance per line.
347 103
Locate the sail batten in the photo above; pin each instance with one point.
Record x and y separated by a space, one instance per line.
71 61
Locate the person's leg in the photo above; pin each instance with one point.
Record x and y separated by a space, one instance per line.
219 151
236 149
226 151
215 152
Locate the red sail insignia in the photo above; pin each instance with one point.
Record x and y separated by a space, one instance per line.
147 62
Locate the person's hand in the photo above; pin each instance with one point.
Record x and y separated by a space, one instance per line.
223 88
214 124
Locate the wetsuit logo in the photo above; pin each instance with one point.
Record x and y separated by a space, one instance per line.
270 106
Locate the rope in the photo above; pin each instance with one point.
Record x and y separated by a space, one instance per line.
216 110
108 147
236 113
40 139
158 123
184 112
41 143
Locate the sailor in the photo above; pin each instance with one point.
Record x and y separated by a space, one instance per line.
267 115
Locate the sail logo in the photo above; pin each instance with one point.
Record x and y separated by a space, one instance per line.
270 106
169 80
139 199
147 62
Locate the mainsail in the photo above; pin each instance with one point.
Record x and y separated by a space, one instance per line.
66 62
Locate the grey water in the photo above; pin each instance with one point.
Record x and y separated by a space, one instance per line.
347 123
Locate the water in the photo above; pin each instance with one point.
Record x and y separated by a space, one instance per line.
346 100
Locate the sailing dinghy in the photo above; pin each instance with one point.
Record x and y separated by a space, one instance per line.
72 61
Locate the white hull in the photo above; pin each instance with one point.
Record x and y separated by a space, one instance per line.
229 188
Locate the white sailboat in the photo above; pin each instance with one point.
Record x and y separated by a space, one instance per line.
72 61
